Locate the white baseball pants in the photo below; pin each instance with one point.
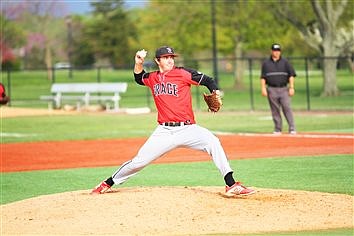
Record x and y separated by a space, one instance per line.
164 139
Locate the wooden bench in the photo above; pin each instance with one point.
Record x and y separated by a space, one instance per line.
85 93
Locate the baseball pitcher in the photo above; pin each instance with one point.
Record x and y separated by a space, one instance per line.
171 90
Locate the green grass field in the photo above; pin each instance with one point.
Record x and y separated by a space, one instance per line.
302 173
104 126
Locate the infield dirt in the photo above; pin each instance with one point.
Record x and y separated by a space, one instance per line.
176 211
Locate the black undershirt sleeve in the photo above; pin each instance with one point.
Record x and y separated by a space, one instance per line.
203 79
209 83
139 77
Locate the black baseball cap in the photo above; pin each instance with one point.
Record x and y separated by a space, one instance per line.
276 47
165 51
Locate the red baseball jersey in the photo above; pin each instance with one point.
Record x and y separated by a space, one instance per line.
172 95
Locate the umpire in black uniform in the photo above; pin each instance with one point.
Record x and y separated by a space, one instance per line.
277 82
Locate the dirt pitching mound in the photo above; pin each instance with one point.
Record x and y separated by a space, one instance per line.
176 211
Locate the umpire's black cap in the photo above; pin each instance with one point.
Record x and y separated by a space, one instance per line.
276 47
165 51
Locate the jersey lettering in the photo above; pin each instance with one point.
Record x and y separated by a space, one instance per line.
165 89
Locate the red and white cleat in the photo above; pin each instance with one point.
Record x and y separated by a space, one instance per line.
101 188
238 189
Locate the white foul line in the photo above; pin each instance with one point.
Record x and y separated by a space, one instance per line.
336 136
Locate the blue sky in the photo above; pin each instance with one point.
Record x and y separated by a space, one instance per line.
83 6
78 6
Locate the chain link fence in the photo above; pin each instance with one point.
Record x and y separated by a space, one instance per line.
238 78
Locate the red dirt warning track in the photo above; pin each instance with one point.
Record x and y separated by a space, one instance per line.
95 153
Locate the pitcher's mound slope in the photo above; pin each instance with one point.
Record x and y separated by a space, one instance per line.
176 211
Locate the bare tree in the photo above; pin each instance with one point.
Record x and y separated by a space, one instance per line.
42 15
38 17
323 34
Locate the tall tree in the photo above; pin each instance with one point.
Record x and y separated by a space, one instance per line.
110 31
185 25
323 30
190 30
245 29
82 54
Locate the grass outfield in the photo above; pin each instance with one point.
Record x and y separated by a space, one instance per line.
106 126
333 174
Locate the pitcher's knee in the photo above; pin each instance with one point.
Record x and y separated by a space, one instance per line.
213 144
139 162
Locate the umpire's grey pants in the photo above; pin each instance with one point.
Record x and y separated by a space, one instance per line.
279 99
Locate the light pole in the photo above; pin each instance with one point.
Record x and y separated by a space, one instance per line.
215 57
69 41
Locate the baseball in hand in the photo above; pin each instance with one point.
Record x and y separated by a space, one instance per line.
142 53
